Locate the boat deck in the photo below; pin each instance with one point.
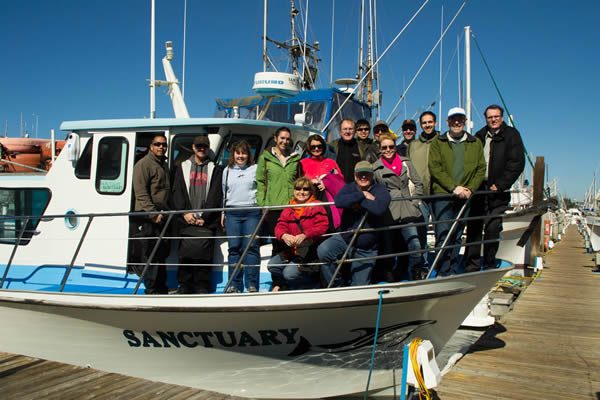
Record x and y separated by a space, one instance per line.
548 346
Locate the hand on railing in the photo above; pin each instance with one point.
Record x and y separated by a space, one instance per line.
462 192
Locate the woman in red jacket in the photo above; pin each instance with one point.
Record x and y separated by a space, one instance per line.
300 229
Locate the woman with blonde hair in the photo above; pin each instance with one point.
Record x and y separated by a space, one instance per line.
301 229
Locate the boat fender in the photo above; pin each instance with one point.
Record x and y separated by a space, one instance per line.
430 372
72 147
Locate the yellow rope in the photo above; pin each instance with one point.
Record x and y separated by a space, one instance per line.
414 345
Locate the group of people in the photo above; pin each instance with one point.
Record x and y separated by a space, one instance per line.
362 178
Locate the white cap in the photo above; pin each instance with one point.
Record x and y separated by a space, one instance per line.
456 111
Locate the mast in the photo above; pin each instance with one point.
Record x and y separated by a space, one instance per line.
332 26
265 38
468 76
152 74
360 44
184 35
441 65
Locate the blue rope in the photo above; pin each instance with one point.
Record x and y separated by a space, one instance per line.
381 293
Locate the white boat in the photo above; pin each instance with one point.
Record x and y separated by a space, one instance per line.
297 344
592 223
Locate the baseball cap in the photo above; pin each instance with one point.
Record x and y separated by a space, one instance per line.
203 139
456 111
409 123
363 166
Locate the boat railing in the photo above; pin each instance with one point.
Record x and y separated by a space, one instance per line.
170 214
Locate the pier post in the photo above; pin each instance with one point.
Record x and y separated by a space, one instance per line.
538 195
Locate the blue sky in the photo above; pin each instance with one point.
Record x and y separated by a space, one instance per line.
73 60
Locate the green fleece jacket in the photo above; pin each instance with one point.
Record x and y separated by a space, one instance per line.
441 165
274 181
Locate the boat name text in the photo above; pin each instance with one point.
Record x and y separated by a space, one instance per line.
210 339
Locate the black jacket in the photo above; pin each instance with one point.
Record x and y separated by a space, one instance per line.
180 198
507 157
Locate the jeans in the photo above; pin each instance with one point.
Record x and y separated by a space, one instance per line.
392 244
332 249
290 274
481 207
426 209
243 223
448 209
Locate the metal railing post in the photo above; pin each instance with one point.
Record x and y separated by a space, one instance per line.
241 260
83 235
439 253
347 251
14 251
153 253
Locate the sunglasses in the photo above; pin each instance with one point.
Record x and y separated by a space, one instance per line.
362 129
316 147
410 128
392 147
302 189
377 130
457 121
201 146
159 144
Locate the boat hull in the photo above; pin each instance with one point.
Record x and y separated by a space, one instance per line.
297 344
593 225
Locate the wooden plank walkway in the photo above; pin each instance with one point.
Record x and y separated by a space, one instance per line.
24 377
548 347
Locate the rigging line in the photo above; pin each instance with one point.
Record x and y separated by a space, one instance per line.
423 65
499 94
304 17
373 66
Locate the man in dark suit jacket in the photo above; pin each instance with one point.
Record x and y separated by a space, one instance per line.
505 157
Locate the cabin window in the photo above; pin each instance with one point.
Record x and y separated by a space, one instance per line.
84 164
21 202
254 141
112 165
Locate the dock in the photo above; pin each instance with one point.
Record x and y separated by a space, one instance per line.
548 346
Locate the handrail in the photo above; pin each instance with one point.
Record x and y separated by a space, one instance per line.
153 253
68 272
255 236
352 240
14 251
448 236
239 263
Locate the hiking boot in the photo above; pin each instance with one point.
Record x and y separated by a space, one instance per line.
252 289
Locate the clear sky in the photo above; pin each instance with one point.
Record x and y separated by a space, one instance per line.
73 60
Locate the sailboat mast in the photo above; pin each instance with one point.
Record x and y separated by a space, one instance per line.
441 66
265 38
152 62
360 44
468 76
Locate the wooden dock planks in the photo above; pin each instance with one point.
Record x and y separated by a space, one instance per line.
548 347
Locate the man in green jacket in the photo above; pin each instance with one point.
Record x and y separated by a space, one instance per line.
457 167
276 171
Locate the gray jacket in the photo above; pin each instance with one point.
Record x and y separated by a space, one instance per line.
398 186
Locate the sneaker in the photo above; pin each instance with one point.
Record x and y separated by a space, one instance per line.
252 289
232 289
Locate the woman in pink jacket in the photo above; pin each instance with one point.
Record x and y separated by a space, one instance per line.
300 229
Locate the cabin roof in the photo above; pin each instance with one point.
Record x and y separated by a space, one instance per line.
141 123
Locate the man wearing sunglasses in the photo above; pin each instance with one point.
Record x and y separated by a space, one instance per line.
356 198
363 130
196 185
151 189
457 168
409 131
